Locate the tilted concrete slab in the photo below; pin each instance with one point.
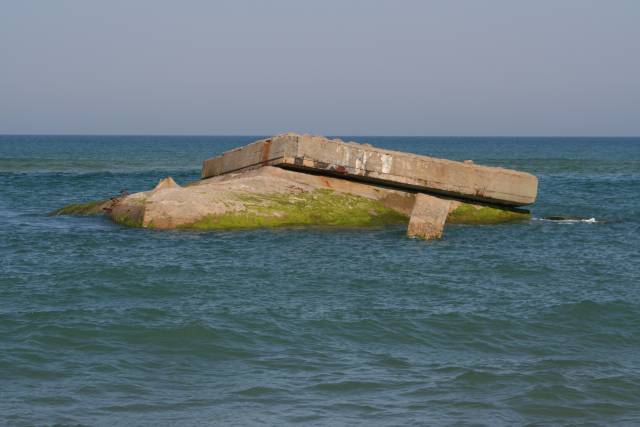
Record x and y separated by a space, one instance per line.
363 162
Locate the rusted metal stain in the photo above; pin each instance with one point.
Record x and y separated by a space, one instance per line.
266 148
341 169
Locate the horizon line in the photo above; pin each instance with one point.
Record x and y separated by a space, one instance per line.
327 134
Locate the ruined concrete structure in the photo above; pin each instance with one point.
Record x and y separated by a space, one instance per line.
295 180
436 182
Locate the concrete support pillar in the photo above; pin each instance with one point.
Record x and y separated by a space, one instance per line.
428 217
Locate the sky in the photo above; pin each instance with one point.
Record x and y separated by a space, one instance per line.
333 67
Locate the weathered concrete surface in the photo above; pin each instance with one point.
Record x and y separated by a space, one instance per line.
167 182
428 217
464 180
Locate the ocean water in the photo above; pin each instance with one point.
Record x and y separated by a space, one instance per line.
535 323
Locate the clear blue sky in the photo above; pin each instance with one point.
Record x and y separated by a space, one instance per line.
492 67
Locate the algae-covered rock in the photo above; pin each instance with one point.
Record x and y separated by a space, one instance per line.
90 208
465 213
266 197
320 207
253 200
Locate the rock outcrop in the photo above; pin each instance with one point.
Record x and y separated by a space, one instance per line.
265 197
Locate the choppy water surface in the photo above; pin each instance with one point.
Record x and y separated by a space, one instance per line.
534 323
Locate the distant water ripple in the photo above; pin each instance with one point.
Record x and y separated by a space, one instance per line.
520 324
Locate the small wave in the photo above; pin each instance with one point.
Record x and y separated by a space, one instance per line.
259 391
350 386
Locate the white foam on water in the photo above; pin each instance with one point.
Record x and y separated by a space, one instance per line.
569 221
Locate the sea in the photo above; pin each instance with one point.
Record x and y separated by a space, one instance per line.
534 323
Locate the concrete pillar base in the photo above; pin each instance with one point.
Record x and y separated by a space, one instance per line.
428 217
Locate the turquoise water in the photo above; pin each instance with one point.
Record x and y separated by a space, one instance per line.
535 323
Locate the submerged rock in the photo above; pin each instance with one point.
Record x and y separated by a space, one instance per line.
566 218
465 213
91 208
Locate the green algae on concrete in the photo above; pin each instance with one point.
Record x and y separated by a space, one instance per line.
470 214
90 208
320 207
127 220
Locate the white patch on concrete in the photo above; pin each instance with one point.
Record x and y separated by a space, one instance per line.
361 160
387 161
